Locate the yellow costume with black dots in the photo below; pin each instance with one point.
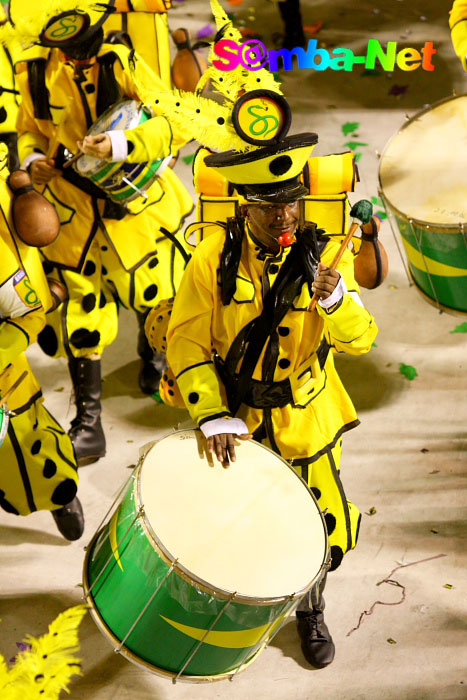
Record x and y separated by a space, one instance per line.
9 96
38 463
133 259
307 431
458 26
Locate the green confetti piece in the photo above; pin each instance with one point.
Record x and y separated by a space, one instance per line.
354 144
374 345
370 72
391 640
189 159
462 328
377 201
358 156
408 371
276 77
381 215
349 127
157 397
448 585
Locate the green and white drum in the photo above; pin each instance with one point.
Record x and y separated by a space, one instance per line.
122 181
199 565
423 181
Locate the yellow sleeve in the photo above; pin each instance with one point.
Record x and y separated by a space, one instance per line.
189 339
349 327
458 25
17 334
149 141
30 138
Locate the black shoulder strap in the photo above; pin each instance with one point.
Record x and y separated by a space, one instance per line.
38 88
108 89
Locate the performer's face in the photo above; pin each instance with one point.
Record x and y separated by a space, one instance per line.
268 221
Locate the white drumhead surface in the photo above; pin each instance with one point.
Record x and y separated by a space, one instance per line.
252 528
423 171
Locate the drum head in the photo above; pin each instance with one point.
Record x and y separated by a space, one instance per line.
253 528
423 172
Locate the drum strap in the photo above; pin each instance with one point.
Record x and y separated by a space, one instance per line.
108 89
299 267
38 88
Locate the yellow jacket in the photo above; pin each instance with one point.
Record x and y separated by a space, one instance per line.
201 325
24 300
9 101
458 25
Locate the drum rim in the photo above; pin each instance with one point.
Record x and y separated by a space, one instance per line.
195 580
446 228
134 658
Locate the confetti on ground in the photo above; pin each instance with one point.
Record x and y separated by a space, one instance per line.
130 440
408 371
235 2
398 90
392 582
448 585
435 471
434 531
358 156
204 32
370 72
372 511
157 397
377 201
59 388
374 345
247 32
462 328
380 215
314 28
393 286
188 159
389 364
349 127
424 450
391 640
354 144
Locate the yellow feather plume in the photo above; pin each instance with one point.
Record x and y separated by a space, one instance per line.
30 17
48 665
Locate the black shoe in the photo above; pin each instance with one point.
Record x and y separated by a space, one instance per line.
317 645
70 520
153 363
86 431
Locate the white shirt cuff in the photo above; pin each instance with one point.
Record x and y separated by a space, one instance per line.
30 159
336 296
119 145
224 425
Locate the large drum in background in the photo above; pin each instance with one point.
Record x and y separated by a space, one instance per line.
199 565
423 181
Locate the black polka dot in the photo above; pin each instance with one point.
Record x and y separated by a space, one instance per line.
104 270
89 303
152 263
36 448
90 88
280 165
221 120
82 338
165 377
330 523
6 505
47 267
198 111
89 269
273 268
159 319
104 247
150 292
102 301
39 677
193 397
284 363
64 492
171 393
283 331
50 469
48 341
171 382
316 492
337 555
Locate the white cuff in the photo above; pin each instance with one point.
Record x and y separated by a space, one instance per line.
224 425
119 145
336 296
30 159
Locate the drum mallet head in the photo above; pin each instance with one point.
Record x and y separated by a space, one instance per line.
362 210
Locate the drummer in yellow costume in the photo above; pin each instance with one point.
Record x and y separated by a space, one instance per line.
9 97
38 462
106 253
458 25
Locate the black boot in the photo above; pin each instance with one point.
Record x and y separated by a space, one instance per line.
292 19
317 645
86 431
153 365
70 520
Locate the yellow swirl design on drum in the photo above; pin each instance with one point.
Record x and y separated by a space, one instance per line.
241 639
113 537
423 263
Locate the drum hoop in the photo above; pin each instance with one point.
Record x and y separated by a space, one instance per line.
200 583
134 658
445 228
